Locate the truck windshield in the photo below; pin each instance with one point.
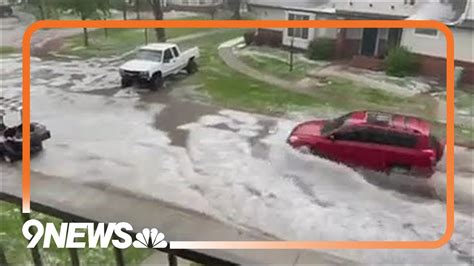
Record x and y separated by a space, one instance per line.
149 55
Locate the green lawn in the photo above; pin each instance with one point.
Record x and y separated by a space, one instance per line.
231 89
118 41
276 61
277 66
4 50
14 244
464 99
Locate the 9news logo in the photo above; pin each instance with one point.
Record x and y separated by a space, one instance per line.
75 235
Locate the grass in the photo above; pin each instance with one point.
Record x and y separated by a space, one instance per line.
276 61
277 66
229 88
118 41
464 100
14 244
5 50
346 95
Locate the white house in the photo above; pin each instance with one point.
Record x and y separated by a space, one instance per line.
195 5
368 46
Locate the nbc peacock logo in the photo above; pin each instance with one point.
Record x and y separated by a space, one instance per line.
150 238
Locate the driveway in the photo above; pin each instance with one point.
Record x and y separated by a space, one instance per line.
230 165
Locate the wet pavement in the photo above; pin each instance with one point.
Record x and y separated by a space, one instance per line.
231 165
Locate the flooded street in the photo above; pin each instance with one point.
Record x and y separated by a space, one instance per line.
232 165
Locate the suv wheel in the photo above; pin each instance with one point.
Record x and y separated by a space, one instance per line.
304 149
400 169
125 83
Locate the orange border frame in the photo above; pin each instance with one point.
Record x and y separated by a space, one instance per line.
264 24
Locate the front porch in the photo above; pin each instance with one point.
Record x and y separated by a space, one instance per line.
366 47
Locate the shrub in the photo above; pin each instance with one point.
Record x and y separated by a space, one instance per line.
269 38
321 49
249 37
401 62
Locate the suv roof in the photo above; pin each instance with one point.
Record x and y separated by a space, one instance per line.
158 46
387 120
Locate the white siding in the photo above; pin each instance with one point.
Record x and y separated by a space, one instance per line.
269 14
436 46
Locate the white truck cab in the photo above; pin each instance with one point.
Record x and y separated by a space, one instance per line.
156 61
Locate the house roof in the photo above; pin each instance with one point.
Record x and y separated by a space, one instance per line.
452 12
318 6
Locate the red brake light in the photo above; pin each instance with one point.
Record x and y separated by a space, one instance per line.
292 139
431 154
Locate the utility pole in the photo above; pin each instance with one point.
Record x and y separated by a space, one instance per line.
146 35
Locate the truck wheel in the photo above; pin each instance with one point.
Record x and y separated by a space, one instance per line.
7 159
192 67
156 82
126 83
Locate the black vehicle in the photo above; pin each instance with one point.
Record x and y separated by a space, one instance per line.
5 11
11 140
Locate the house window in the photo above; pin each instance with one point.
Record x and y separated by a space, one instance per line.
298 32
427 32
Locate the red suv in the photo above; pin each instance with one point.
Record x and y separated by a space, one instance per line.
373 140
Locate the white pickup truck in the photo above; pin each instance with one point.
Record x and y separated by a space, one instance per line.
156 61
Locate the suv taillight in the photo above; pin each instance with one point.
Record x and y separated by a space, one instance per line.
431 154
292 139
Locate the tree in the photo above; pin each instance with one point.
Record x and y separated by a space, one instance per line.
85 9
41 7
123 5
235 7
158 13
137 8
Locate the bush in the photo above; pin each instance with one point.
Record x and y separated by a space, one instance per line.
401 62
269 38
321 49
249 37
